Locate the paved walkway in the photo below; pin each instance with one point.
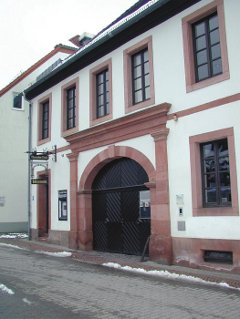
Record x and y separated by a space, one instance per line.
98 258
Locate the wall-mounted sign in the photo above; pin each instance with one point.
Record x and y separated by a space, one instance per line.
39 156
62 205
39 181
144 205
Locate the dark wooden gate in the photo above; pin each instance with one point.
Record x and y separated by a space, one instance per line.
117 226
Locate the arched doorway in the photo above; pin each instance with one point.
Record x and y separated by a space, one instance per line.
121 209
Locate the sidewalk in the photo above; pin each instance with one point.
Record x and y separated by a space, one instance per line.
99 258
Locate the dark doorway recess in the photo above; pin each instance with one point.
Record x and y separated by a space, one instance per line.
43 209
117 224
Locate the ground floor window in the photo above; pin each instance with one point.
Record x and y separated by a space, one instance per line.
213 173
216 186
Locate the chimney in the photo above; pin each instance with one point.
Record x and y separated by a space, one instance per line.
81 40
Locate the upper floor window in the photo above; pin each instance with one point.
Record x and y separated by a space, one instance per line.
138 76
18 101
44 119
205 49
70 107
101 92
216 173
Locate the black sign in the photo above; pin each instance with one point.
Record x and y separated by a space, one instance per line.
38 156
39 181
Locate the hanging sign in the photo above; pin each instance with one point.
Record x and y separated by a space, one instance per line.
39 181
39 156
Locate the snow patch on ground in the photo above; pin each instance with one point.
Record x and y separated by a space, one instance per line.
167 274
11 246
6 289
27 301
14 235
54 254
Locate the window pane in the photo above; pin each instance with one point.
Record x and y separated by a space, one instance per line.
225 179
209 166
202 57
138 97
208 150
226 197
203 72
214 37
145 56
136 59
201 43
146 68
216 51
137 72
199 29
147 93
210 195
217 66
100 89
137 84
213 22
147 80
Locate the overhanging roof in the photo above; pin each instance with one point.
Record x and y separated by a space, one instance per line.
107 41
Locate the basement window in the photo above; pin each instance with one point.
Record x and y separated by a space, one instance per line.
225 257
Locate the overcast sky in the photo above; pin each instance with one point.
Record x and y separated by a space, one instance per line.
29 29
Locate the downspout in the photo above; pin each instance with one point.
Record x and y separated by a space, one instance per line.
29 170
29 166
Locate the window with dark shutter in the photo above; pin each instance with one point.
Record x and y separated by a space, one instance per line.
17 101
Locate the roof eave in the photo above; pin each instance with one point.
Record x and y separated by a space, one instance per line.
149 18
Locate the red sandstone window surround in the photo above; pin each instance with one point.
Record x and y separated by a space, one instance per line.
70 107
138 76
101 93
205 48
44 119
198 201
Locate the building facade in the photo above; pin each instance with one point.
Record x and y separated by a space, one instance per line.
14 113
144 120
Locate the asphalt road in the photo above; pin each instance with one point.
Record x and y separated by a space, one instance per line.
54 287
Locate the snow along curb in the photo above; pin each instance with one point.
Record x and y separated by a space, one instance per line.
168 275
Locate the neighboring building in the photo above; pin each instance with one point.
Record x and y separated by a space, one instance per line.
14 114
146 118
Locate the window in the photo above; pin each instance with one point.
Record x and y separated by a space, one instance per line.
205 50
213 174
101 93
17 101
70 101
138 76
71 107
44 119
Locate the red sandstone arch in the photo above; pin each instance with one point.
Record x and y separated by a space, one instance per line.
109 154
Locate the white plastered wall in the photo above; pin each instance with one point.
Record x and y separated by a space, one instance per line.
224 227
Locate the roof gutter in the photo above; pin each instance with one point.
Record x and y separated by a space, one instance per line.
160 11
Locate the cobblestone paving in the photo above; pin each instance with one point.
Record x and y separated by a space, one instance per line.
96 292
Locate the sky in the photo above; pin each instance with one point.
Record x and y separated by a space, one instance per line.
29 29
